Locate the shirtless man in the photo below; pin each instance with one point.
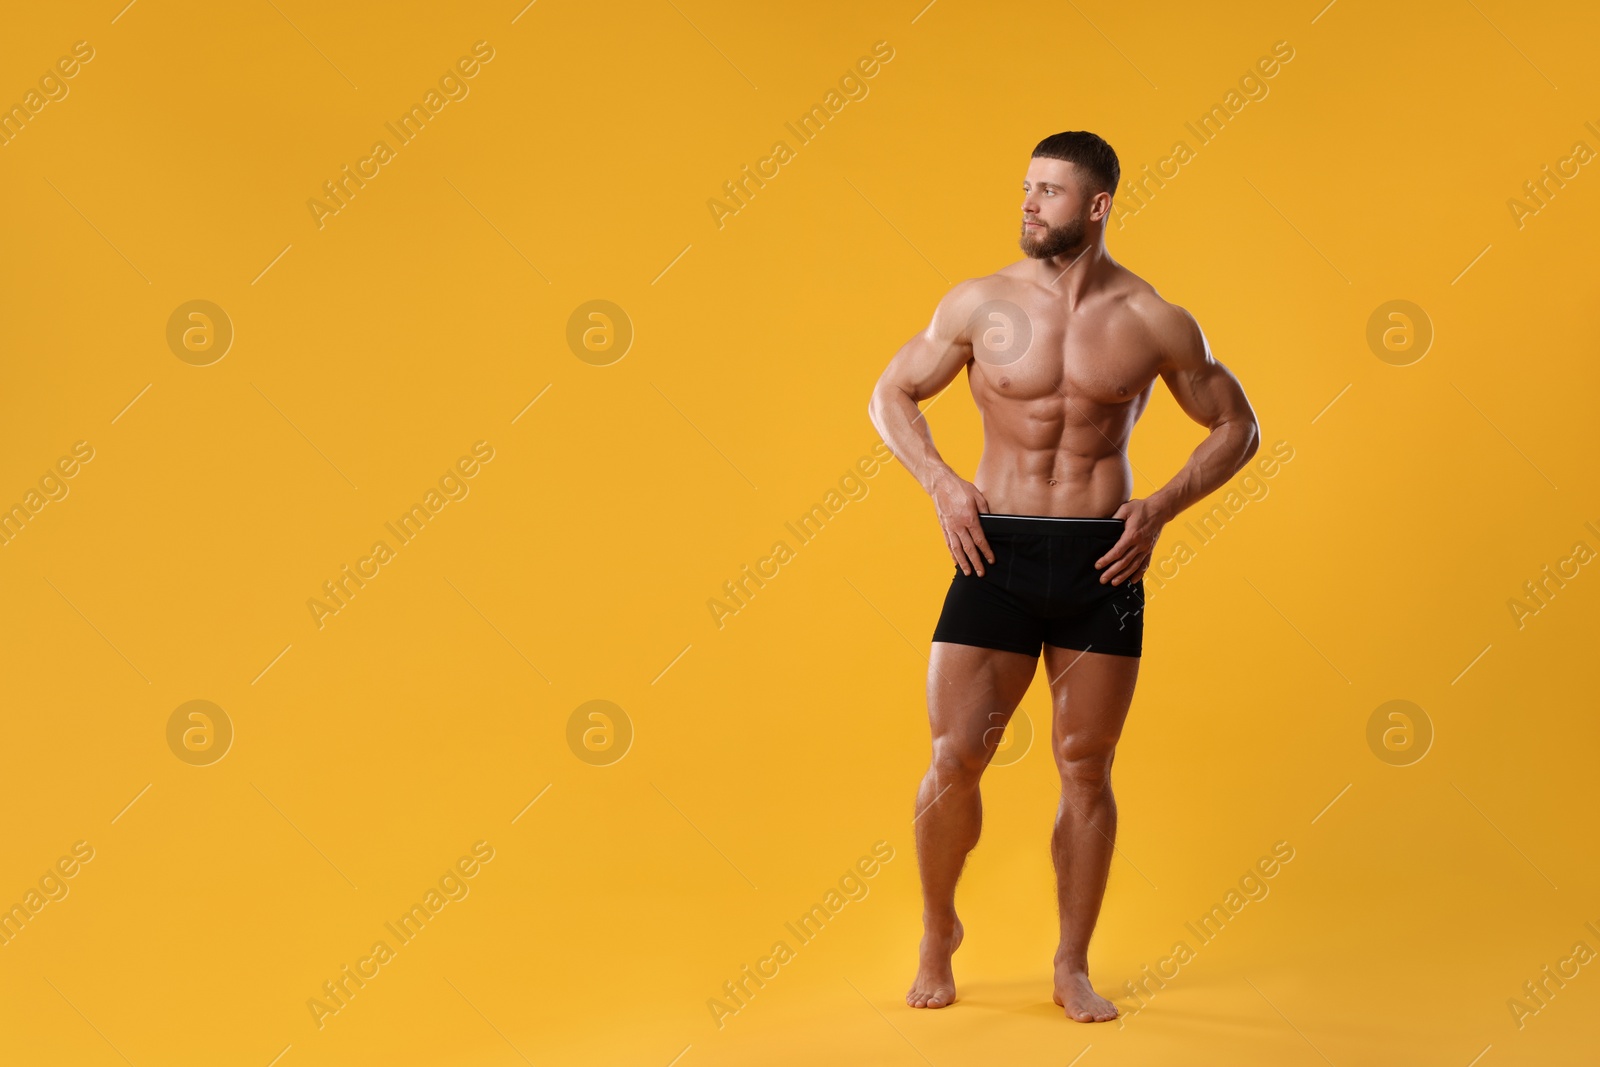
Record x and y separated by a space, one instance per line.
1062 350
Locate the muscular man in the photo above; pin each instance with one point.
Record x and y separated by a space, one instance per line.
1062 350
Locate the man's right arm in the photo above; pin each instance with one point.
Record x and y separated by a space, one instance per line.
923 366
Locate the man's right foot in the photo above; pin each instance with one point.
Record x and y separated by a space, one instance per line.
935 985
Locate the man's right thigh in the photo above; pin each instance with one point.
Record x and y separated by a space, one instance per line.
972 693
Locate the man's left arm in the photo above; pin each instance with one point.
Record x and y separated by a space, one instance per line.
1210 395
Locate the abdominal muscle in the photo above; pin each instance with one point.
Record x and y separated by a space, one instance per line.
1084 490
1065 470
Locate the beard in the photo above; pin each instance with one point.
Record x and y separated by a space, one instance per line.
1054 241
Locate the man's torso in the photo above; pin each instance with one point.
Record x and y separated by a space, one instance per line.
1059 391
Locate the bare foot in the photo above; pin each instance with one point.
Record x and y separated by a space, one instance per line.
1077 996
935 985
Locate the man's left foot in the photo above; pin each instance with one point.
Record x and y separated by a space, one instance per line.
1078 998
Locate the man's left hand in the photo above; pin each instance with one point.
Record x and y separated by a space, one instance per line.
1130 556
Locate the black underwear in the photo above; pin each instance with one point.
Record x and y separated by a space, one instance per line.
1043 589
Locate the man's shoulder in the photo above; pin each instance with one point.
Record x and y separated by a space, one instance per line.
1167 322
1171 331
966 298
1005 282
1009 283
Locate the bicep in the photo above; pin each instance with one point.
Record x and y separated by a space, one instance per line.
1206 390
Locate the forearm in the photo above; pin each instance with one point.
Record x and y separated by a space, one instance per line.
894 413
1219 457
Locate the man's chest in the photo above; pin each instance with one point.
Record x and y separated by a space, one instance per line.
1033 353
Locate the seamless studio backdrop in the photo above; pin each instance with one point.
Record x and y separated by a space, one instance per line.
459 611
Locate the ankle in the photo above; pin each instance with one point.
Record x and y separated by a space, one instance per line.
939 925
1071 963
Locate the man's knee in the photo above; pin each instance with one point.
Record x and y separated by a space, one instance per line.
1085 761
958 762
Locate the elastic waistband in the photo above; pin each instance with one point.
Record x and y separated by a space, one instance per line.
1069 526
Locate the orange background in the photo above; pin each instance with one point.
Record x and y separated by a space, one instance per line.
641 860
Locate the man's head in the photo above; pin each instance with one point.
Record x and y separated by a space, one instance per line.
1062 202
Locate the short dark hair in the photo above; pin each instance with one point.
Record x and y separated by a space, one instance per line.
1091 154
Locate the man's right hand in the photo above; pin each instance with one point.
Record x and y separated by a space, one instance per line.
957 503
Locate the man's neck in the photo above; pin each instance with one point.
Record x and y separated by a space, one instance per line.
1074 274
